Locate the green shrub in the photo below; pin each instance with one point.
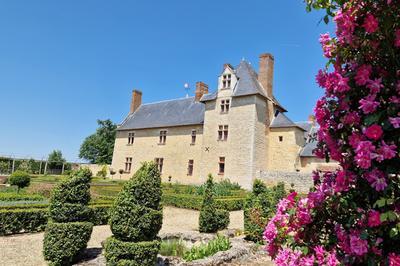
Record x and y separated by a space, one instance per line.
20 179
103 172
259 207
100 214
64 242
211 219
22 220
13 196
118 252
221 243
136 219
68 231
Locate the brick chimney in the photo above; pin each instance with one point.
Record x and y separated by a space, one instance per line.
266 72
201 89
136 101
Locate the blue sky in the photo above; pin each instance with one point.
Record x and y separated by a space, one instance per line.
65 64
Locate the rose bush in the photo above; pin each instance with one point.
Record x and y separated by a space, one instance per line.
351 216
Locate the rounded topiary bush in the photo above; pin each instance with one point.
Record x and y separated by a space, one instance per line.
211 219
20 179
68 231
136 219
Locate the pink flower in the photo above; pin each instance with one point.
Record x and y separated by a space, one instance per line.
270 232
364 154
307 261
397 39
363 74
379 184
332 260
395 121
342 183
319 253
368 104
375 85
324 38
370 24
374 218
386 152
394 259
345 26
373 175
358 246
351 118
321 78
374 132
354 139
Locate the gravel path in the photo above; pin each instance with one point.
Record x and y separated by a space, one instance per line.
26 249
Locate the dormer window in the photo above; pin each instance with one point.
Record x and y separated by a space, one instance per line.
226 81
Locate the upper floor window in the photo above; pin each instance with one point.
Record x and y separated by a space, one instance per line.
280 138
131 138
221 166
223 132
226 81
193 137
128 164
163 137
190 167
160 163
225 106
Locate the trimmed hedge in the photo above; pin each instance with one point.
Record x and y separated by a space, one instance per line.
194 203
17 221
13 196
64 242
136 219
119 252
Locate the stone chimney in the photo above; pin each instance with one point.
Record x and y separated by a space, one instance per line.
136 101
311 119
266 72
201 89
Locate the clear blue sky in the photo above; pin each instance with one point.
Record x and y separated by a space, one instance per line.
65 64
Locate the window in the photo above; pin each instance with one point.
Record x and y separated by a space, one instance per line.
280 138
131 138
159 162
163 137
223 132
225 106
128 164
190 167
226 81
193 137
221 165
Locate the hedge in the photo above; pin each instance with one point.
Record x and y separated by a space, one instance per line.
194 203
13 221
13 196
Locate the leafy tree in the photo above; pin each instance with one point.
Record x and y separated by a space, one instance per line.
55 159
98 148
20 179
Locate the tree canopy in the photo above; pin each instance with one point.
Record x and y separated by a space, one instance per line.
98 147
56 159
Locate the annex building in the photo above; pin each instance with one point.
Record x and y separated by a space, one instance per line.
238 131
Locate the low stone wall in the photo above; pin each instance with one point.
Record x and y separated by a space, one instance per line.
301 181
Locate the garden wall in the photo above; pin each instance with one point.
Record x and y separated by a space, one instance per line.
301 181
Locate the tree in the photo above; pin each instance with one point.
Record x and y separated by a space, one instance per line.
351 216
136 219
55 159
211 219
20 179
98 148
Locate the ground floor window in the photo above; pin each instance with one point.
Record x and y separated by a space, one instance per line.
190 167
128 164
159 162
221 165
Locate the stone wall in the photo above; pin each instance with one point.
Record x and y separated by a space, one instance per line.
301 181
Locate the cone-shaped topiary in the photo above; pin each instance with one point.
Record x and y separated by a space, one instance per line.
211 219
68 231
136 219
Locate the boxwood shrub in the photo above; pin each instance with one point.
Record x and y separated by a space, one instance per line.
22 220
68 231
136 219
211 219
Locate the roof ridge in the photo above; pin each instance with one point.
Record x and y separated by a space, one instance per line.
170 100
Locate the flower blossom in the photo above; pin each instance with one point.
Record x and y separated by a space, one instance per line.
362 75
358 246
386 152
364 154
379 184
345 26
395 121
394 259
374 218
375 85
368 104
370 24
374 132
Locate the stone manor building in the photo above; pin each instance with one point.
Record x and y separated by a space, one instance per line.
239 131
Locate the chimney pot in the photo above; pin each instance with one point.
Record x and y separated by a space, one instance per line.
201 89
136 101
266 72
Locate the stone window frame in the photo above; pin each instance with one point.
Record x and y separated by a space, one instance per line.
131 138
226 81
193 136
223 132
225 106
280 138
190 167
163 137
128 164
221 165
160 163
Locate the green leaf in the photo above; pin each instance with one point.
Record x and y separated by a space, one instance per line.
393 232
326 19
364 235
380 203
383 217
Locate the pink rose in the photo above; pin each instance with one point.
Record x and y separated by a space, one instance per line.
374 132
374 218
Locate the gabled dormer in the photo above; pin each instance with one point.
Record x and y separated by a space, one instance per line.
227 80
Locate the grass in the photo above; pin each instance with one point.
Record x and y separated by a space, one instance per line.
173 247
221 243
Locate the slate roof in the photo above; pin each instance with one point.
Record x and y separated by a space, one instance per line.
281 120
178 112
311 143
